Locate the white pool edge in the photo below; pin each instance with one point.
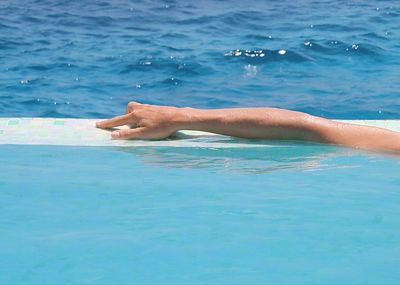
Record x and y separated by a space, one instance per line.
82 132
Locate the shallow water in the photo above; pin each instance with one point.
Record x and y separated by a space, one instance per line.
76 215
88 58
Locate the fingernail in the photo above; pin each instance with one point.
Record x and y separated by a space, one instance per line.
115 135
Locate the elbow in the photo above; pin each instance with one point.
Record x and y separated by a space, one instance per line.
316 129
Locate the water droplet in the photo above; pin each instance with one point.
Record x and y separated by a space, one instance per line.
262 55
24 81
138 86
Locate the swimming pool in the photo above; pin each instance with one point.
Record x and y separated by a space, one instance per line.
95 215
200 213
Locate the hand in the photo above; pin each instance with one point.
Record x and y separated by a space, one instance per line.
146 122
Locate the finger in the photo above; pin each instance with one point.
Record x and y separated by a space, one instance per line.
137 133
113 122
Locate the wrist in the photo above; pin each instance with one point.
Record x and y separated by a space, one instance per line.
192 118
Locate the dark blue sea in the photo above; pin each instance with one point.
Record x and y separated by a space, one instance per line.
85 59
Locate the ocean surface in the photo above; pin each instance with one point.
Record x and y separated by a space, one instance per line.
338 59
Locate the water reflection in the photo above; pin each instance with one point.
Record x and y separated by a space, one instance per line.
272 157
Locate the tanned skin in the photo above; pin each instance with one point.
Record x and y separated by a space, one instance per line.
158 122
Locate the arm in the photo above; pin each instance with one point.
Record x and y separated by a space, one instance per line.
157 122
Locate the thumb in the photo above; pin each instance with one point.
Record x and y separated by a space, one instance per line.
136 133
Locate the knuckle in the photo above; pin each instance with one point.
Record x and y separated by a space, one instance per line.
133 104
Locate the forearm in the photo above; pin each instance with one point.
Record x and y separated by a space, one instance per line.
280 124
257 123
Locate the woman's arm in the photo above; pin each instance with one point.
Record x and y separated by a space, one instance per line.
157 122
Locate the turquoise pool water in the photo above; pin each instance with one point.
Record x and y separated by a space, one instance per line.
83 215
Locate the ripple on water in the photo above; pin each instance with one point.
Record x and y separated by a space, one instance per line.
197 20
261 37
376 36
174 36
338 28
266 56
172 81
9 44
365 49
339 48
178 66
